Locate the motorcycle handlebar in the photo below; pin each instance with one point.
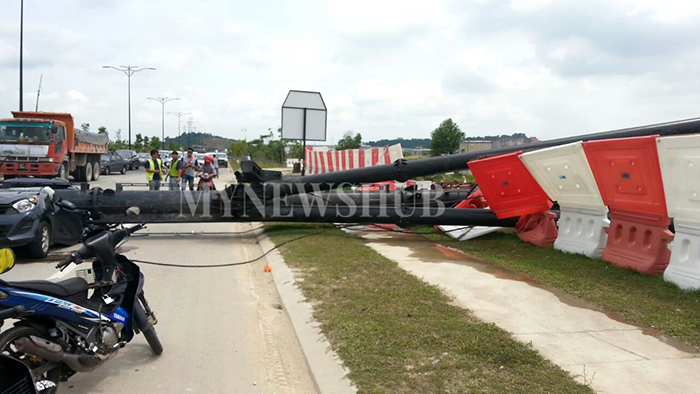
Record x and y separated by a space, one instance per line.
84 252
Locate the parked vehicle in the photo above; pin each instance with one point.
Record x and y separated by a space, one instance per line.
45 144
143 158
130 156
114 162
66 328
29 218
223 161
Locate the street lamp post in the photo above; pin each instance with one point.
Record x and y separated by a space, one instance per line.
129 71
162 101
21 45
179 115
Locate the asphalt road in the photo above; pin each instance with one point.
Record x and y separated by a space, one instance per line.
223 329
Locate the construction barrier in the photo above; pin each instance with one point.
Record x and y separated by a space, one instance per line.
628 176
564 174
510 190
320 160
680 168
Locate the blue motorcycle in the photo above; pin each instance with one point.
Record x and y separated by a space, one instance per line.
72 325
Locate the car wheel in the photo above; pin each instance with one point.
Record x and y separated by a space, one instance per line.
40 248
63 171
107 172
123 171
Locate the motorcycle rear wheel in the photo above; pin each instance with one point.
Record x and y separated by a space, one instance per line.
7 340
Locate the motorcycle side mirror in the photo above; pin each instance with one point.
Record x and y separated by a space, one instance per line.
133 211
67 205
7 260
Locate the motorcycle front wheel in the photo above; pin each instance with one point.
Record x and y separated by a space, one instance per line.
145 326
8 348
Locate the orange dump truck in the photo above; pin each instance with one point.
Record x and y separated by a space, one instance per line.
46 144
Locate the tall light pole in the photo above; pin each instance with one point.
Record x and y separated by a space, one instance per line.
129 71
179 115
21 45
162 101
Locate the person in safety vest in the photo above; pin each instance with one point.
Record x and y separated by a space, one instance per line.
154 169
174 172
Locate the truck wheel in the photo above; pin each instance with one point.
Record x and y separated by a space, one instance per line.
96 171
81 174
88 172
40 248
63 171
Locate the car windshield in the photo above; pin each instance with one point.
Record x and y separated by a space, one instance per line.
105 157
25 132
124 153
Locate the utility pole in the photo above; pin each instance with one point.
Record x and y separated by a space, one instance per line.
179 115
21 50
129 71
162 101
38 93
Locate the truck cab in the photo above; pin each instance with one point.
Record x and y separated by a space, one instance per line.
32 147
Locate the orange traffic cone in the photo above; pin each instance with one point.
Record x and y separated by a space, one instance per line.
267 268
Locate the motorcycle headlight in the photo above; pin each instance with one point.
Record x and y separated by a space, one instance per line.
25 205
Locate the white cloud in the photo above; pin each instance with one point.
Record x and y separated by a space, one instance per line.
386 68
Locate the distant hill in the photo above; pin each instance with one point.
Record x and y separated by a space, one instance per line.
412 143
210 141
500 140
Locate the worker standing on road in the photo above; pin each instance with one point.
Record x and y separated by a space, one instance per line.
216 165
174 172
154 167
189 165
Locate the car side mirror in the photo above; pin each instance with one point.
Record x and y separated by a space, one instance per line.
7 260
67 205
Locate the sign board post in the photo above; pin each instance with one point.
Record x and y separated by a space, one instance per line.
304 117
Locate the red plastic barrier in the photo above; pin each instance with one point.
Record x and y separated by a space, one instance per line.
629 179
508 186
475 200
637 242
628 174
538 229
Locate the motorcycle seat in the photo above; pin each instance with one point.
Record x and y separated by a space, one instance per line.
64 288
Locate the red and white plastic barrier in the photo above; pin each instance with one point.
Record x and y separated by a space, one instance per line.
564 174
628 176
322 160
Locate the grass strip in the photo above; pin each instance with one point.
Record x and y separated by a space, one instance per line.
398 334
640 299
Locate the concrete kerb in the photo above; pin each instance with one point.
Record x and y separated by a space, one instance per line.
326 367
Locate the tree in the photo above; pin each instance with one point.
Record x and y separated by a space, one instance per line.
172 145
100 130
85 126
446 138
238 149
349 142
139 145
154 143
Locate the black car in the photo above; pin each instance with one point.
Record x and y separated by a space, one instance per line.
30 218
131 157
114 162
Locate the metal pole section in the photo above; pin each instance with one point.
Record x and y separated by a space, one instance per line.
162 101
129 71
303 147
21 53
128 74
38 93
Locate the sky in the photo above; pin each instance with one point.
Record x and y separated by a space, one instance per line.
386 69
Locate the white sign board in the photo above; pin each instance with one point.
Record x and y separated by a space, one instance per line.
304 116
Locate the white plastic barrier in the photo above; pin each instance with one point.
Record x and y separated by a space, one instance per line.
564 174
680 168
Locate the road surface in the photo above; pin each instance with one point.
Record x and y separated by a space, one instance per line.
223 329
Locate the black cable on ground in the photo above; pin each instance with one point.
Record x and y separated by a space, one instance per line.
229 264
